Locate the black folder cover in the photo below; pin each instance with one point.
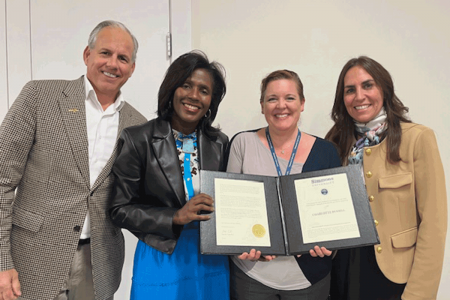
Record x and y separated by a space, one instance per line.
283 216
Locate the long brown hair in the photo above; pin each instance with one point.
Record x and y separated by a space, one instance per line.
343 131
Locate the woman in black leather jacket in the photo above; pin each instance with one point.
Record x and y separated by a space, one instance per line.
156 193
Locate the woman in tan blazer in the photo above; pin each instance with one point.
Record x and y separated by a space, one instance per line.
405 183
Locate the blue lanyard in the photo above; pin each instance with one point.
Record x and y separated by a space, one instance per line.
187 145
274 156
188 175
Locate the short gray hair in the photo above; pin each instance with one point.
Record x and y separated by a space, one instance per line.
109 23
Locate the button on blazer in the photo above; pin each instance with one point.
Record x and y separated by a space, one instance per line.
409 202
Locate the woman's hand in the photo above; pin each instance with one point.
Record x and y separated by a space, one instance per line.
320 252
254 255
191 210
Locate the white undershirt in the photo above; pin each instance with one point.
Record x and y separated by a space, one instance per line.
102 127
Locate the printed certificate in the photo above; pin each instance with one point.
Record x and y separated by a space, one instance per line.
241 214
286 215
326 209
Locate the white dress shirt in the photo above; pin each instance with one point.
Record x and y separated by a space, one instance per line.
102 127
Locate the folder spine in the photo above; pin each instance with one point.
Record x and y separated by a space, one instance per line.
283 222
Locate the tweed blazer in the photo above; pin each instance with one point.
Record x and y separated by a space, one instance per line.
44 158
149 187
409 204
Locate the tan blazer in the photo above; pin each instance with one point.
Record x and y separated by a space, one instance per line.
409 205
44 158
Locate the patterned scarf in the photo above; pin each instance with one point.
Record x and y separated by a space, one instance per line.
371 132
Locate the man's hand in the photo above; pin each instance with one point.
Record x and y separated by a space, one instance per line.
9 285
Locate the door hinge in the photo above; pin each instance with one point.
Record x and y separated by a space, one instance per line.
169 44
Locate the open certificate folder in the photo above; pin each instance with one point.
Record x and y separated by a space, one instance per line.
286 215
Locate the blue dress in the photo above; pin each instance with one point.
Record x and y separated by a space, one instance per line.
184 274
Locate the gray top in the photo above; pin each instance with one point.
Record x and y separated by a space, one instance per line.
248 155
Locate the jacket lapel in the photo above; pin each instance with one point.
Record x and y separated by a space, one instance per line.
209 153
165 150
73 112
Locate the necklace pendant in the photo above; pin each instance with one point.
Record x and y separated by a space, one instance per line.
188 146
282 151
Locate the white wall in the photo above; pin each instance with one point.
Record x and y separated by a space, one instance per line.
251 38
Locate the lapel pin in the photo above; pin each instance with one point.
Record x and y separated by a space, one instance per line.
74 110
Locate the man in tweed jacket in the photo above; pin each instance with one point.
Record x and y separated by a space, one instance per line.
57 147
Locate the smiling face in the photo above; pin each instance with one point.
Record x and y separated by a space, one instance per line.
282 105
109 63
363 98
191 101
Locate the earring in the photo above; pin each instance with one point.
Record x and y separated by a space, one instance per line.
206 115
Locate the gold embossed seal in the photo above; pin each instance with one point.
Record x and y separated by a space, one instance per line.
258 230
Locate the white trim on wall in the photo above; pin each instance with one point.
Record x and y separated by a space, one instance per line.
3 65
18 46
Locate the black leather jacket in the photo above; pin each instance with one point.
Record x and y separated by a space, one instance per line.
149 188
